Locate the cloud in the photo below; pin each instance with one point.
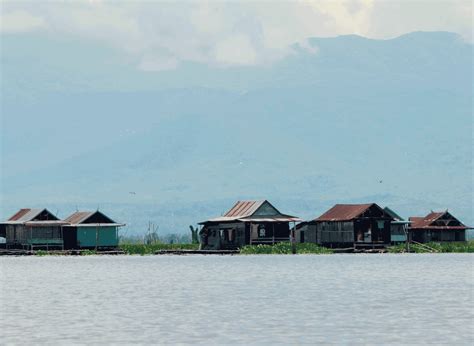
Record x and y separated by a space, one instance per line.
161 35
20 21
236 50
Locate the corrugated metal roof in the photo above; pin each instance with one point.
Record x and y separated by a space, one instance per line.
420 222
221 219
79 216
272 219
393 214
416 220
100 225
244 209
25 214
427 221
344 212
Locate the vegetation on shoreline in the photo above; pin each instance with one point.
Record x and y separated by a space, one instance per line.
284 248
86 252
449 247
277 249
150 249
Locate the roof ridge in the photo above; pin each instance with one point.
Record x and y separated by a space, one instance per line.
25 211
345 212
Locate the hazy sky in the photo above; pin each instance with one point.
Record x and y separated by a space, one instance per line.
159 35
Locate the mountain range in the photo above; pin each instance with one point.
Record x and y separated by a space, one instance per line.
342 120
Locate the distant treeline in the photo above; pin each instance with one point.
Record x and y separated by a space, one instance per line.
150 238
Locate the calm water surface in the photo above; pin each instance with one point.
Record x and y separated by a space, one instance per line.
348 299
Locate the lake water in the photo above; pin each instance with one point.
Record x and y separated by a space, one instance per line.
344 299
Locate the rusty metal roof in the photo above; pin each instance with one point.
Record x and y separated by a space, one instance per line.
28 214
420 222
345 212
79 216
283 218
243 209
25 214
272 219
427 222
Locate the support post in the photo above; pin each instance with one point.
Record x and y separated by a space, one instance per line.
273 233
293 238
96 236
407 234
250 233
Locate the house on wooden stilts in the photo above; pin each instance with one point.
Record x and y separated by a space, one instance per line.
398 227
246 223
437 227
90 230
350 225
33 229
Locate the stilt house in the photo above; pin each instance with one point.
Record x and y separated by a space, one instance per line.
437 226
350 225
398 227
90 230
246 223
33 228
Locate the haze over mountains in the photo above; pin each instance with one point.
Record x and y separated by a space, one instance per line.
344 119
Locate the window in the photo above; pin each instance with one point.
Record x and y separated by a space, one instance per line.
261 231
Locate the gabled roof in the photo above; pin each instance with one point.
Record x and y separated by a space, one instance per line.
80 217
244 208
30 214
393 214
25 214
347 212
428 222
262 211
420 222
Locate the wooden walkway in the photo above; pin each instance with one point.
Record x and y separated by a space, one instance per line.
197 252
21 252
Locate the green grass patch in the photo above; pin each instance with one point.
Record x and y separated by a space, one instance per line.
150 249
88 252
284 249
448 247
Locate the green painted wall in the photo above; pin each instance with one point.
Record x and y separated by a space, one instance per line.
86 236
399 238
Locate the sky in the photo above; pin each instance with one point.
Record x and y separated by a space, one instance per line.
168 72
156 35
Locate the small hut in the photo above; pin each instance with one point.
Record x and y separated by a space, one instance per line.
350 225
90 230
437 226
33 228
246 223
398 227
